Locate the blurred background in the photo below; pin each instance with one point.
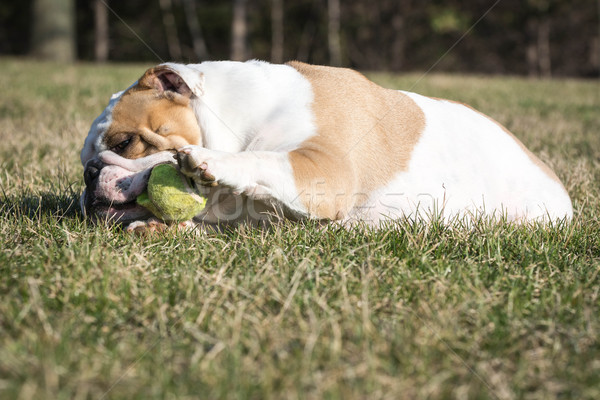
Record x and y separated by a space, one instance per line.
523 37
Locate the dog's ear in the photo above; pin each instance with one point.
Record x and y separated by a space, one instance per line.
177 78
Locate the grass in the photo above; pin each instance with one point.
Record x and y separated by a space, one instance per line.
495 311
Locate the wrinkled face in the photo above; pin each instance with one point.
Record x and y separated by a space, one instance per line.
145 122
140 128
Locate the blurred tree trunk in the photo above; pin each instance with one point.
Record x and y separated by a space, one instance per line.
333 32
595 46
191 15
539 61
277 31
306 40
101 43
166 7
594 57
543 43
532 50
539 14
53 25
239 31
398 45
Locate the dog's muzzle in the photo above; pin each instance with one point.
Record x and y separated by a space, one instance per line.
113 183
111 192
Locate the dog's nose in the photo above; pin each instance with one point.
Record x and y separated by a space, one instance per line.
92 170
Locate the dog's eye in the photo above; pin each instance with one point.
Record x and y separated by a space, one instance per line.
121 146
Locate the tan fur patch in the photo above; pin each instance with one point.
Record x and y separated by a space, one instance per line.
365 136
153 121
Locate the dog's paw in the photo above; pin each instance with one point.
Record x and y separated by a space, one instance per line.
153 225
201 164
146 227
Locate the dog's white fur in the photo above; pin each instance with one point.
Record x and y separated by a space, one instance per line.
465 162
253 114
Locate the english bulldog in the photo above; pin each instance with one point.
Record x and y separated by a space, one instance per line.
263 141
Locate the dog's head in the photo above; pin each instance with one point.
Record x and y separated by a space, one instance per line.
140 128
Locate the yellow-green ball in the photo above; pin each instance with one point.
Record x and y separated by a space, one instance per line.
169 196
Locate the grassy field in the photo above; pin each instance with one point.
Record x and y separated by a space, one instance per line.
413 311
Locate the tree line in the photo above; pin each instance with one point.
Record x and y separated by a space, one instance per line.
529 37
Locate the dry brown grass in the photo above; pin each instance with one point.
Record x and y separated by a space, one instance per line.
494 311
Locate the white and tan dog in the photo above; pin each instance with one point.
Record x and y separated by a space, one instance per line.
309 141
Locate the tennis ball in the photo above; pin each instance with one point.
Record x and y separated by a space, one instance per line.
169 196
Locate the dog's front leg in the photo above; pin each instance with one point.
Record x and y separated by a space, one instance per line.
261 175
